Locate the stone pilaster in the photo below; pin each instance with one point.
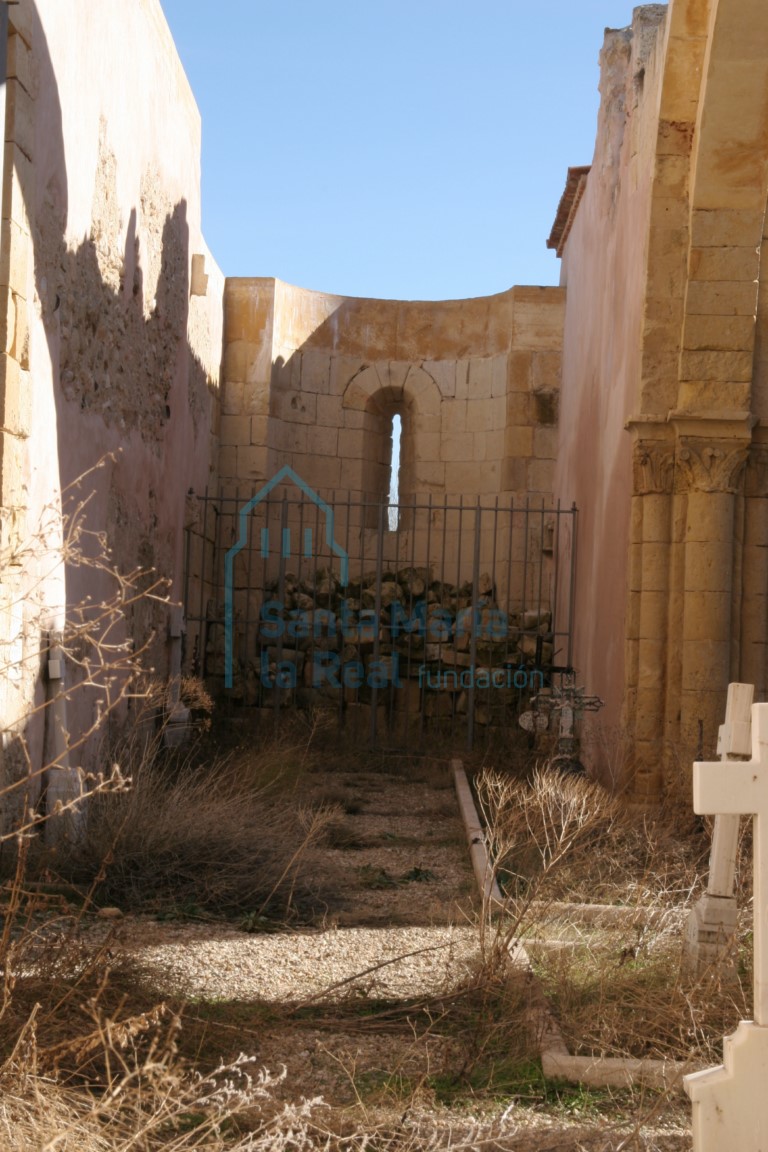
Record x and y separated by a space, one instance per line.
709 473
753 606
649 606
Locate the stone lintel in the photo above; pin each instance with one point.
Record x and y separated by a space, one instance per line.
727 424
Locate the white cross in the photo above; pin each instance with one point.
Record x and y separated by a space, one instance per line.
730 1105
740 788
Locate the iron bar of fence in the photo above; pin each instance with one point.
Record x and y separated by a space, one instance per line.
536 576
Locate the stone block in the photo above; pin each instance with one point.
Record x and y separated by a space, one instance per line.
479 451
294 407
14 259
711 365
15 399
259 430
351 475
519 371
719 333
713 395
235 361
285 437
721 298
656 523
707 616
705 662
443 372
674 138
518 442
672 174
454 416
256 399
709 519
320 472
232 397
456 448
316 371
470 479
7 320
541 476
724 263
546 407
651 663
329 413
494 443
519 408
484 415
514 474
249 311
708 568
633 614
726 228
669 212
342 370
251 464
351 444
18 190
462 379
323 441
631 660
668 271
538 321
20 118
654 610
480 383
546 371
235 430
545 441
499 376
227 461
636 567
429 476
20 63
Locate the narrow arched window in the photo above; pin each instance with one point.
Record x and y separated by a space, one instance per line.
394 472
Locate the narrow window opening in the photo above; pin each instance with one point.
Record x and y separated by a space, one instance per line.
394 474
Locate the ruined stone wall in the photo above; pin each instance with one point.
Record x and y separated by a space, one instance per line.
604 273
114 348
313 381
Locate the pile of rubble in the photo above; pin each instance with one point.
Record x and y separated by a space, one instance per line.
400 640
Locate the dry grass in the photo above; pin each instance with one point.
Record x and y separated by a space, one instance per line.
621 989
200 836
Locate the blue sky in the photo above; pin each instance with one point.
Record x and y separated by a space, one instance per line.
414 149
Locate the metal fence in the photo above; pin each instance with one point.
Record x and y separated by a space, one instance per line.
404 620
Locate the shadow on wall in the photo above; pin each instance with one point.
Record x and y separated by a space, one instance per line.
124 375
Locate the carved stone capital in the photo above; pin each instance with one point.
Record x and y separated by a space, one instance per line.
653 465
710 466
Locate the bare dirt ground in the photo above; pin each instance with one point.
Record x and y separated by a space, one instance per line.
383 1009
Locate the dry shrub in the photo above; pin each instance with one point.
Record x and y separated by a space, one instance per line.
615 987
610 1002
227 836
564 837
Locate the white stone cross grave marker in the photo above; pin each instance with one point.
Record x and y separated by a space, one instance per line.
711 926
730 1103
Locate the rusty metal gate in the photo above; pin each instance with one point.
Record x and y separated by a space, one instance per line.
405 621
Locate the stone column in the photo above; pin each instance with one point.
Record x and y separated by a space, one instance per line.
753 606
709 473
649 603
